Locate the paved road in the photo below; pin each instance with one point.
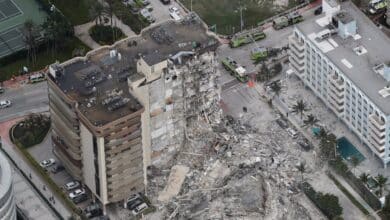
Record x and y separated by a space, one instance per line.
27 99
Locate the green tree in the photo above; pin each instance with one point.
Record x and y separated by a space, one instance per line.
300 108
364 178
381 182
386 208
310 121
277 68
57 30
276 87
328 146
96 12
30 39
354 162
329 204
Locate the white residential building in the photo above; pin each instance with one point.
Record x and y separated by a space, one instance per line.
344 59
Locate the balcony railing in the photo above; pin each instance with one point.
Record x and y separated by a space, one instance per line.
377 122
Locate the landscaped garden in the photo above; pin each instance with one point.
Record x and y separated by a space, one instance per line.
105 35
31 131
225 14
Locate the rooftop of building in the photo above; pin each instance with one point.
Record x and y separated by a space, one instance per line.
99 82
356 56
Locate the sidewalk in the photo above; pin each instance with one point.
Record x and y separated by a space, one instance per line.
24 166
356 195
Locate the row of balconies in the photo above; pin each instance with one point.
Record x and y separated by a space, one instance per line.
295 44
119 194
74 167
126 145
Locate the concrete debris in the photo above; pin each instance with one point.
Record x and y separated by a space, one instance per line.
175 181
234 169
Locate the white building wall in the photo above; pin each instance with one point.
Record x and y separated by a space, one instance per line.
88 158
357 106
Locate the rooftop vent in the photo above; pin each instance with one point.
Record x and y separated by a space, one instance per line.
383 70
385 92
360 50
346 24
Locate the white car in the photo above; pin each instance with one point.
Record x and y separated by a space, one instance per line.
72 185
173 9
5 103
139 209
47 163
76 193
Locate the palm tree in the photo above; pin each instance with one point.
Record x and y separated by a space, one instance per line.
301 168
322 134
30 40
381 182
96 12
300 108
354 162
310 121
264 73
364 178
276 87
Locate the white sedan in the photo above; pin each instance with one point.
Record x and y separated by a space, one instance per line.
173 9
5 103
47 163
76 193
72 185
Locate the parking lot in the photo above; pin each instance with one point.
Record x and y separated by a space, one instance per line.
43 151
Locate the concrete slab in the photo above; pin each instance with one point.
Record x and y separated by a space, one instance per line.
175 181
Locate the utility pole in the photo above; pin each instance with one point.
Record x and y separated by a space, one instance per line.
241 8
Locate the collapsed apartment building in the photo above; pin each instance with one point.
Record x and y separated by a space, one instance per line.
104 110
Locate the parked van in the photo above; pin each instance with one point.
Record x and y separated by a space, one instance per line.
292 133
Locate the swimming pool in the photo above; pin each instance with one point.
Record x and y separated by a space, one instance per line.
348 150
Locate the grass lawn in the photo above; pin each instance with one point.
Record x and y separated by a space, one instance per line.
44 58
224 13
77 11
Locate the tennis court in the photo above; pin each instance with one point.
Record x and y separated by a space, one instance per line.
13 14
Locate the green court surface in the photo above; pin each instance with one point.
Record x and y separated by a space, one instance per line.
13 14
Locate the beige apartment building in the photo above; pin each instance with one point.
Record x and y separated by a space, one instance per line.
99 106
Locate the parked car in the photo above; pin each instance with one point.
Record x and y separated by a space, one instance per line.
139 208
292 132
165 2
76 193
93 210
80 198
173 9
282 123
47 163
135 203
131 200
57 169
149 8
175 16
304 144
72 185
5 103
1 90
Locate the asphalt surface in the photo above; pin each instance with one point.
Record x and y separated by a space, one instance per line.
29 98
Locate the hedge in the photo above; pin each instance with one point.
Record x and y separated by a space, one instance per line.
357 185
135 22
327 203
348 194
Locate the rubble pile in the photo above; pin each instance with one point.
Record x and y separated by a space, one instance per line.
235 170
161 35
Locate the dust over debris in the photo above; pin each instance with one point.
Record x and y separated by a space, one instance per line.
221 167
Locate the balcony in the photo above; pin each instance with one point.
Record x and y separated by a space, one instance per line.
377 122
378 147
299 58
294 43
296 67
336 82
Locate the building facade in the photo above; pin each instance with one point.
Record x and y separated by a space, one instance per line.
340 66
7 202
